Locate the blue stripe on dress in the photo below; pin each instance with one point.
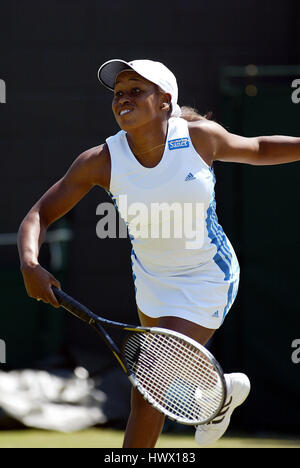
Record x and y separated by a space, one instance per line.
223 257
229 300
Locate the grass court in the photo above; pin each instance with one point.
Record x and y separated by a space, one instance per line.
108 438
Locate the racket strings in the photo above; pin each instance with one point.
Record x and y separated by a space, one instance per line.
175 374
184 383
169 371
150 357
187 352
180 391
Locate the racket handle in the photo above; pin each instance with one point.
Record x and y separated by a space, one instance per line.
73 306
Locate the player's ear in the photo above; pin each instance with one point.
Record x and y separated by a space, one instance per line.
165 103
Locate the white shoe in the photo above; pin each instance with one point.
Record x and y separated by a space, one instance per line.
238 388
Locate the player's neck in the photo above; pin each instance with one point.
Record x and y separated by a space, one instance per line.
148 142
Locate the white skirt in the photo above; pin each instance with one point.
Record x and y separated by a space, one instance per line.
202 296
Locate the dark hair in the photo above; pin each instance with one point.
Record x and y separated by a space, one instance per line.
192 115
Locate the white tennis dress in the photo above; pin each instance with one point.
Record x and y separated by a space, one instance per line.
183 264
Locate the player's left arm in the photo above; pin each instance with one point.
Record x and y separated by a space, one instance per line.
260 151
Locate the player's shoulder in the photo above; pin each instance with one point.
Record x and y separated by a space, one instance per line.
202 133
207 135
95 162
204 128
94 155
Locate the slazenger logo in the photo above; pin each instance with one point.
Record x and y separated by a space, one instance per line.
178 143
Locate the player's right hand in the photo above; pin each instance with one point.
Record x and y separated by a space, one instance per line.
38 282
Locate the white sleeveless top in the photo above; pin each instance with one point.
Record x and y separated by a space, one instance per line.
170 213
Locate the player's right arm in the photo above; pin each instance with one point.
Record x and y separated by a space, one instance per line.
90 168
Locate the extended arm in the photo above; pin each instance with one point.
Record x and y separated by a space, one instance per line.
89 169
220 145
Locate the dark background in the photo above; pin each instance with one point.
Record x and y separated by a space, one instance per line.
55 109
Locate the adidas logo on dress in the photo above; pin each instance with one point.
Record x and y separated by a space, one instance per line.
190 176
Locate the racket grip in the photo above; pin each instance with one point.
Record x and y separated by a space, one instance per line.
73 306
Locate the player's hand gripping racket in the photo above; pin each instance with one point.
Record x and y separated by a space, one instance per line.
175 374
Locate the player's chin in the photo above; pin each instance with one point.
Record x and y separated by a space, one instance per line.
127 122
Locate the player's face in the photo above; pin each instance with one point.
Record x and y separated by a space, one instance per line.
136 100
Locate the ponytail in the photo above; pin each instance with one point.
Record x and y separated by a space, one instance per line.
192 115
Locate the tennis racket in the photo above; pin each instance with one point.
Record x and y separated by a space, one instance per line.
175 374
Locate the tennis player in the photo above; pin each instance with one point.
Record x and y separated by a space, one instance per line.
162 154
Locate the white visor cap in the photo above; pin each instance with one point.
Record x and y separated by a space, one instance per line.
155 72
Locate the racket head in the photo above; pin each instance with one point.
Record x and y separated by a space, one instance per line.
175 374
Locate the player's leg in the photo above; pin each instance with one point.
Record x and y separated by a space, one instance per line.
197 332
145 423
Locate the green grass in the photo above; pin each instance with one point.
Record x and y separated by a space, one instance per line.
107 438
